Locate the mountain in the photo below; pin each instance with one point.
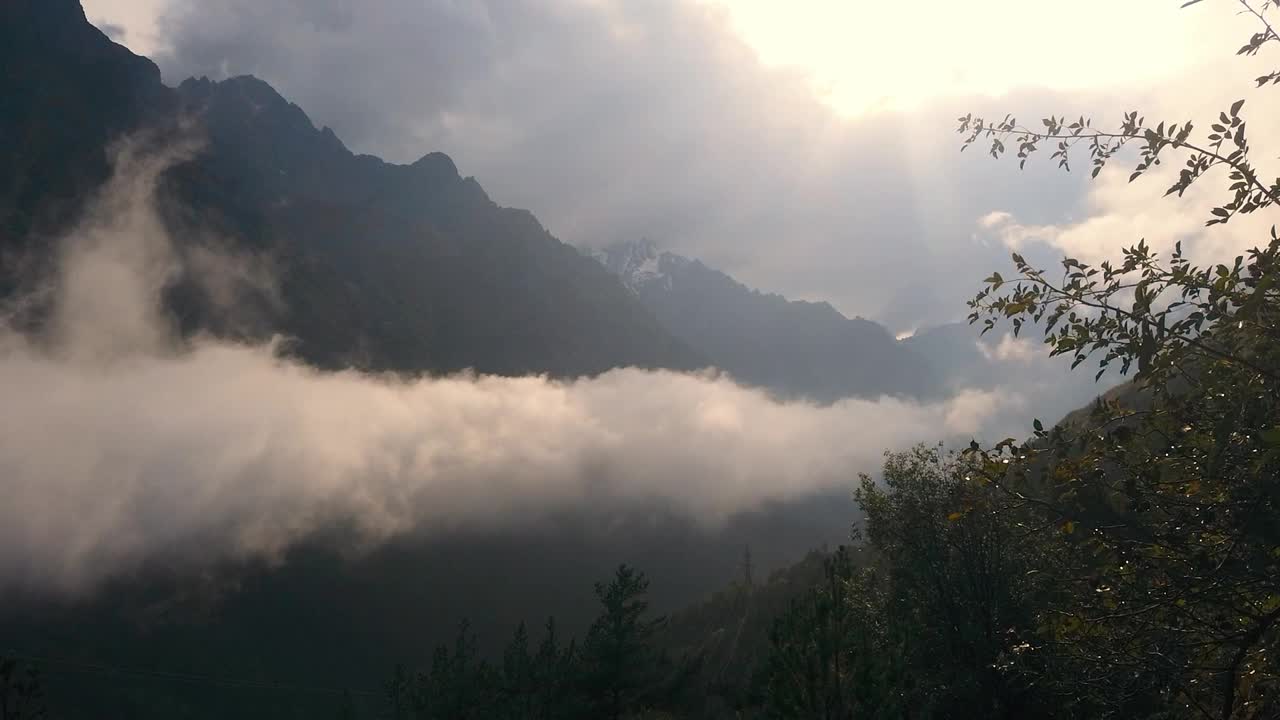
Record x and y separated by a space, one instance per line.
389 267
794 348
68 92
953 353
398 267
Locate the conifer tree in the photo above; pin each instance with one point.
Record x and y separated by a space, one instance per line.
621 663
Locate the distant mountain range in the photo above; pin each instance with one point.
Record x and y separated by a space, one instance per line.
795 348
810 350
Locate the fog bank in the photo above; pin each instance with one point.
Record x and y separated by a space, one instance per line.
121 443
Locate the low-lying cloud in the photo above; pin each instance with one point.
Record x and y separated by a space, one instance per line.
121 443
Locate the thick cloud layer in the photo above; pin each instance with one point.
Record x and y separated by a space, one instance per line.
120 444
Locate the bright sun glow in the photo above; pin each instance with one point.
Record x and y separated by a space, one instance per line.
866 55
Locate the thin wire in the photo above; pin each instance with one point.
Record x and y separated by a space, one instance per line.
188 677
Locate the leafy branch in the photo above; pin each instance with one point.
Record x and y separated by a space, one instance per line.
1227 145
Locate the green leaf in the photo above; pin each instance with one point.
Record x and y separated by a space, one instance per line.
1272 437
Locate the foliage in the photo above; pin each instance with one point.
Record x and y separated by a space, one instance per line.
615 673
924 618
21 691
618 653
824 658
1125 565
1166 540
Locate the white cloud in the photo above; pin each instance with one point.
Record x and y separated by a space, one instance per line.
136 18
1012 349
121 445
972 409
867 56
1117 213
994 219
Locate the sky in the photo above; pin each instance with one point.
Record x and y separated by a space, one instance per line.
805 147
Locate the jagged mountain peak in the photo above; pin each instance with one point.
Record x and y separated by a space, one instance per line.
383 266
639 264
436 163
248 100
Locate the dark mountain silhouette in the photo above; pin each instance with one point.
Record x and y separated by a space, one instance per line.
794 348
400 267
68 91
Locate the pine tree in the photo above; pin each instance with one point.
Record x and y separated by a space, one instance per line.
621 663
21 692
556 677
519 688
399 691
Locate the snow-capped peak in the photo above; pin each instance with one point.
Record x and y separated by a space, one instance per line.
638 263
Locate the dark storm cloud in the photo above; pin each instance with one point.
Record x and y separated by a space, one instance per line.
615 120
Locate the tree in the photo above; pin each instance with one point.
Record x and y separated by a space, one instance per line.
925 617
621 662
556 671
826 648
459 683
541 685
21 692
616 672
957 583
519 680
1162 515
399 691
